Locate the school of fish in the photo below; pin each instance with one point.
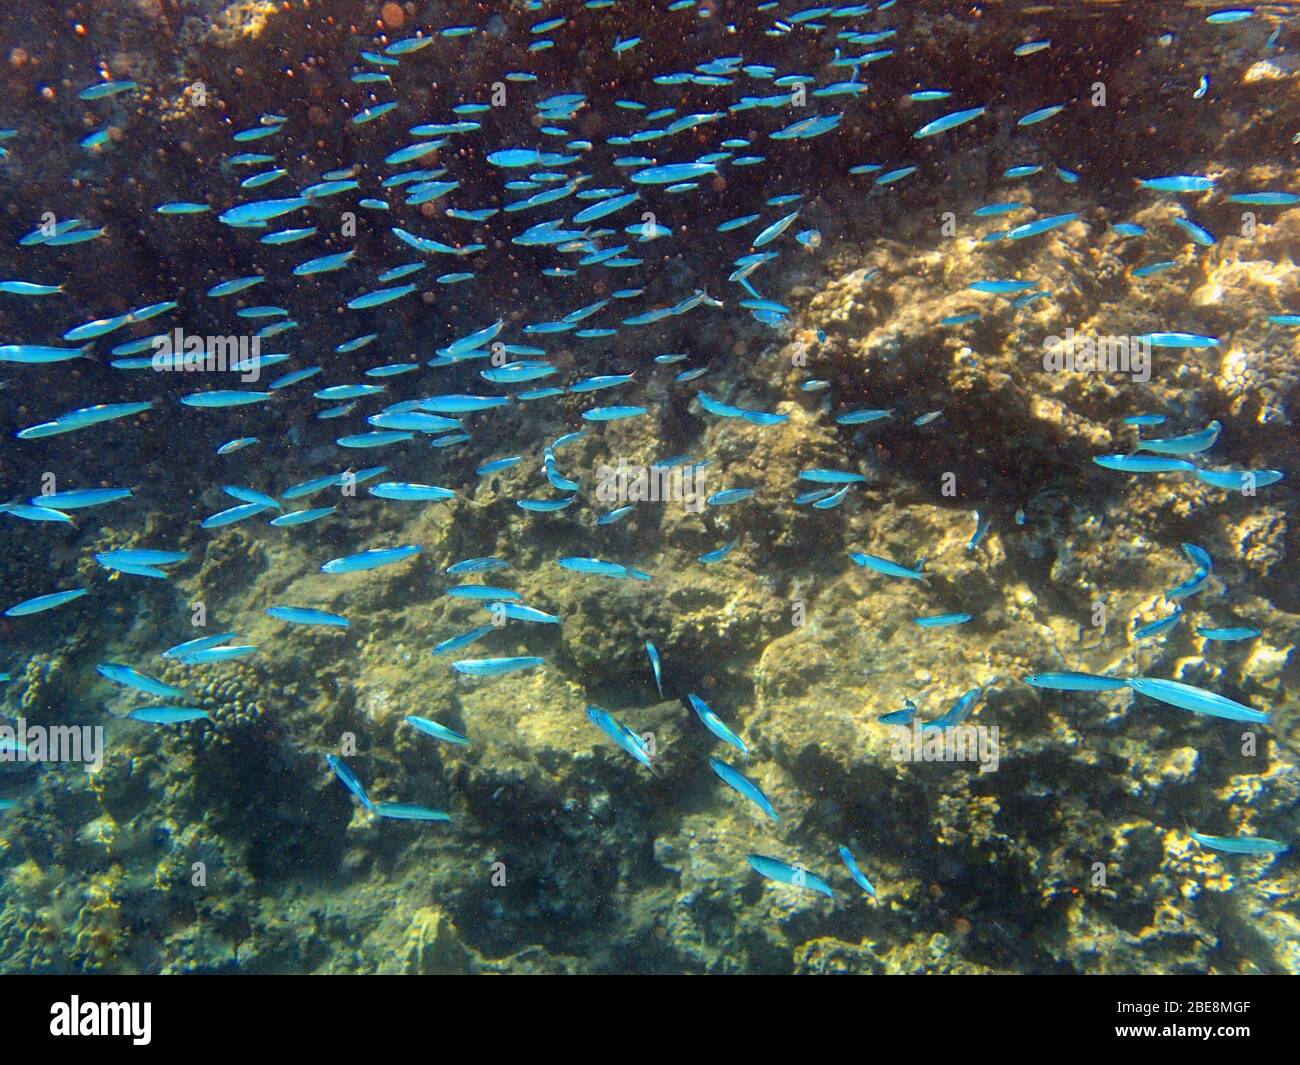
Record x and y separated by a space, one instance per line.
439 197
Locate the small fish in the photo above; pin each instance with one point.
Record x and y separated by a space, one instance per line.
411 492
610 414
545 506
1196 700
29 288
1190 444
1244 481
938 621
956 714
1241 844
217 654
820 476
786 873
904 716
669 173
44 602
653 652
477 565
169 715
628 740
1041 115
482 591
617 514
1144 464
716 725
859 877
368 560
1149 269
297 615
521 612
1042 225
1225 18
350 780
232 515
710 557
947 122
220 398
1199 234
888 567
133 556
437 731
737 780
997 287
1228 635
596 566
302 517
106 89
1265 198
863 417
455 643
1200 558
728 496
36 354
406 811
1076 682
35 513
1161 625
495 667
982 527
1178 183
203 643
132 678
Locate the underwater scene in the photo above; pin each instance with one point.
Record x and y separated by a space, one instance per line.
649 486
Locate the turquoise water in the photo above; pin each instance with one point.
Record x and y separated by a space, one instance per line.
630 487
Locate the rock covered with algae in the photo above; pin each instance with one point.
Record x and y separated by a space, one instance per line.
1066 853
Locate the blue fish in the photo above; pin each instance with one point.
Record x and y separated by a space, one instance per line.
42 603
1076 682
1255 845
1196 700
744 786
716 725
888 567
438 731
368 560
947 122
406 811
495 667
298 615
617 731
133 678
855 871
653 652
455 643
786 873
169 715
350 780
